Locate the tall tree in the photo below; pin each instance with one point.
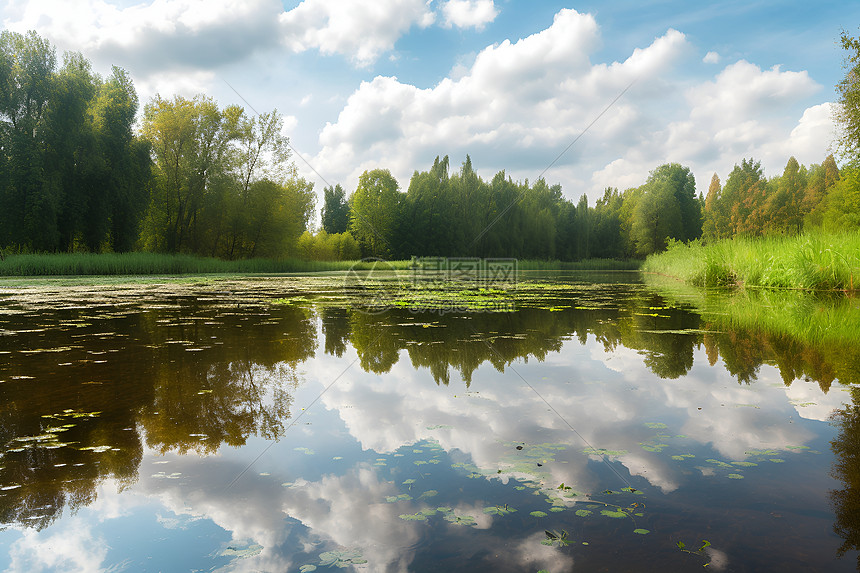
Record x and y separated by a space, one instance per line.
374 208
715 224
335 210
28 205
191 147
784 206
744 196
847 113
668 209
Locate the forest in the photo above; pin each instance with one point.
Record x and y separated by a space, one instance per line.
84 169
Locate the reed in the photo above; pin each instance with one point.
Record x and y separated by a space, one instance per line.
810 261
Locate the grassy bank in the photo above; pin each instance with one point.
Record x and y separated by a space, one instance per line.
79 264
811 261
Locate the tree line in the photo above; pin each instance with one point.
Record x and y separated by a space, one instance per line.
77 173
461 215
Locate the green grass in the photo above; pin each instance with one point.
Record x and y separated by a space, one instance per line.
811 261
143 264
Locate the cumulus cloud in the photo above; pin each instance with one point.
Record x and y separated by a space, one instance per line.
72 549
469 13
711 58
360 29
157 36
519 103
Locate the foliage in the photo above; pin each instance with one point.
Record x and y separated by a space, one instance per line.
72 173
327 247
335 210
847 113
223 185
667 209
374 208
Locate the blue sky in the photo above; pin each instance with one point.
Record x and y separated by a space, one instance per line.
393 83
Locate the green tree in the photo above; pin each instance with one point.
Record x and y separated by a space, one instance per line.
190 147
821 179
841 208
335 210
668 209
715 225
744 196
847 113
656 219
28 204
126 158
785 205
374 208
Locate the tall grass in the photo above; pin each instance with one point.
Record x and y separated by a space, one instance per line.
158 264
811 261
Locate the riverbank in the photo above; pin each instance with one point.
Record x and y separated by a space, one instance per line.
811 261
145 264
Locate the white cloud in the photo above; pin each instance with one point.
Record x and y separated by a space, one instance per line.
153 36
469 13
69 550
711 58
359 29
519 104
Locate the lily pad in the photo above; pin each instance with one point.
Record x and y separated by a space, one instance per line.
613 514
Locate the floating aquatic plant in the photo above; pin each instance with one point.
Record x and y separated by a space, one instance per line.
555 537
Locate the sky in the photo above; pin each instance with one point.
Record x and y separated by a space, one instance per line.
588 95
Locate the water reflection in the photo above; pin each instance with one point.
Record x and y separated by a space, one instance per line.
85 387
118 392
846 468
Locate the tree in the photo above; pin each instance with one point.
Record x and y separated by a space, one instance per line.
841 207
74 175
715 225
668 209
744 197
27 206
190 147
335 211
657 217
847 112
126 158
374 208
784 206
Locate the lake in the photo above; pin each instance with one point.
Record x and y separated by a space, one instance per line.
572 421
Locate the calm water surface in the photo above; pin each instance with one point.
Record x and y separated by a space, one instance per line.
269 425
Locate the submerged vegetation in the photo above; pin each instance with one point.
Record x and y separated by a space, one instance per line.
810 261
